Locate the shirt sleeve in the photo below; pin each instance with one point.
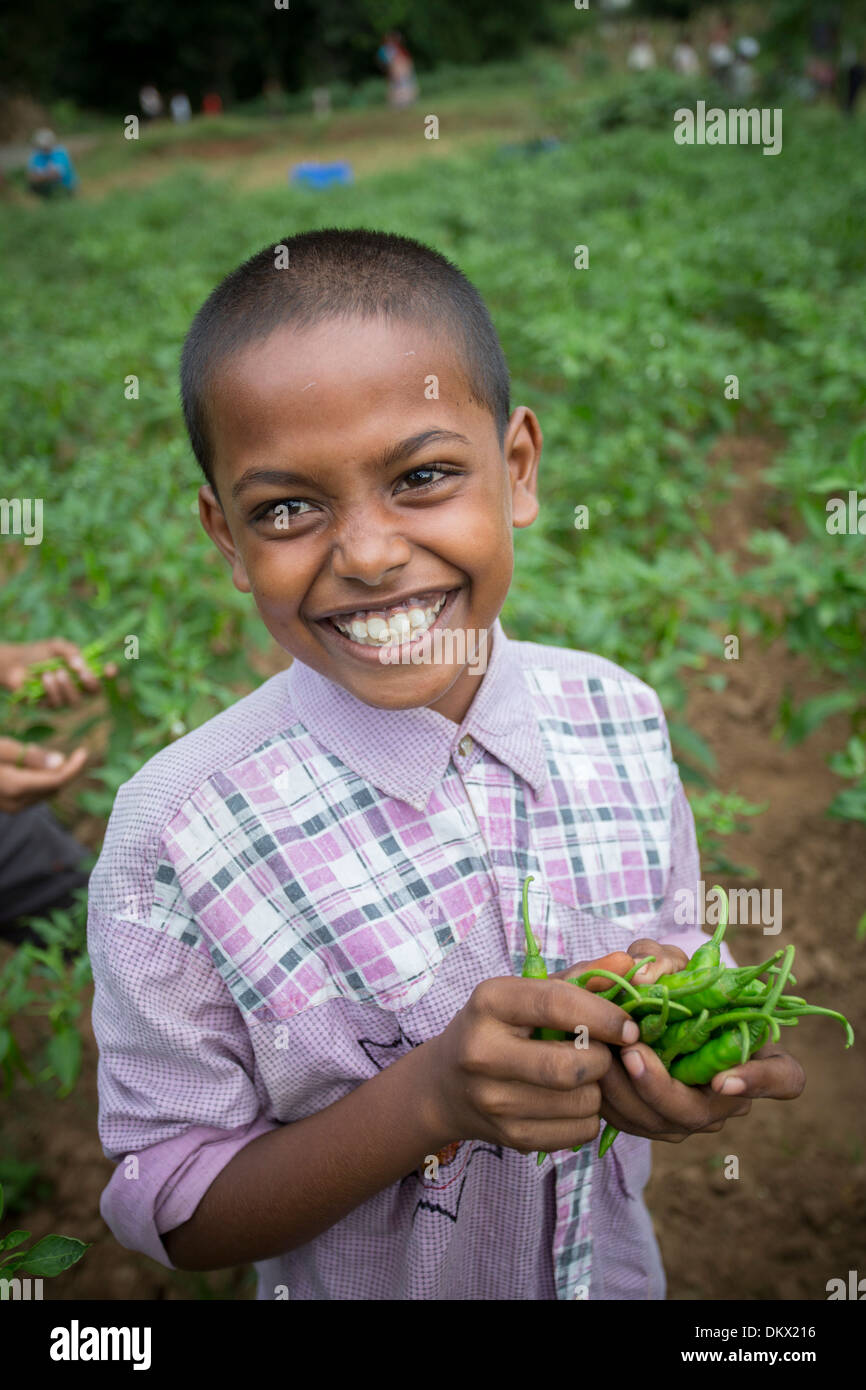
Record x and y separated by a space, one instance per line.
177 1095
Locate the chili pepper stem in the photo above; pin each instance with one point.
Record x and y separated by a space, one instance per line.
531 944
616 989
792 1013
607 975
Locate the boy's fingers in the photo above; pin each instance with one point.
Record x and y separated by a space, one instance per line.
623 1101
556 1004
668 959
618 962
693 1107
772 1072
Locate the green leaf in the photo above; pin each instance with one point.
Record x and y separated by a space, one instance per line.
14 1238
52 1255
64 1056
861 928
849 804
13 1262
812 713
690 741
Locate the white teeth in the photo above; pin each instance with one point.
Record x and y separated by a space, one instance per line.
377 632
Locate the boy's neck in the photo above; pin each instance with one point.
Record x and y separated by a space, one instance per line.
457 700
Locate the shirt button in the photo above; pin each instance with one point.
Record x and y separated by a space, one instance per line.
465 746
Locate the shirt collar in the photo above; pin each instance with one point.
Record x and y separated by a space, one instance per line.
405 752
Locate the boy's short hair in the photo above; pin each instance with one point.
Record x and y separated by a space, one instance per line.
338 273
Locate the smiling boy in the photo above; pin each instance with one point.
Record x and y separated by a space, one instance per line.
305 925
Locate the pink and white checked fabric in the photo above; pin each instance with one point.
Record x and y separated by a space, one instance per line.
295 894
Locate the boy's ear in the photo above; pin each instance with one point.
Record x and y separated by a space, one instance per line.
522 450
214 522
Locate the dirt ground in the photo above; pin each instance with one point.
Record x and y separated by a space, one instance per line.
796 1215
371 141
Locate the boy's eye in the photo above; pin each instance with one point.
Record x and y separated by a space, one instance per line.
428 469
280 514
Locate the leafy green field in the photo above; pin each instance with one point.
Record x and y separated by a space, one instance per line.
703 262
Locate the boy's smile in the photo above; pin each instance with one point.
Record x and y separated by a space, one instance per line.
345 490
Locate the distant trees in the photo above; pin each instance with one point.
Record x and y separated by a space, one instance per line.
98 53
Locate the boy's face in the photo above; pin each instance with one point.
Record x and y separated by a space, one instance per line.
365 520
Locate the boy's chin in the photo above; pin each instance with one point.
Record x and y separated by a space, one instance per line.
399 687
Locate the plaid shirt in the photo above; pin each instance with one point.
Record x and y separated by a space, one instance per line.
295 894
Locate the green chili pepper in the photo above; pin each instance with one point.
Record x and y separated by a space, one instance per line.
728 988
694 1049
606 1140
534 968
680 984
725 1050
686 1036
653 1025
794 1011
706 1024
710 953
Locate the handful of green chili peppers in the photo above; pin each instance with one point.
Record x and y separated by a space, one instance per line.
701 1020
31 688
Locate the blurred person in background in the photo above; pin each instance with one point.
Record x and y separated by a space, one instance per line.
41 864
150 101
641 55
684 58
821 66
743 79
181 111
720 51
49 169
396 59
212 104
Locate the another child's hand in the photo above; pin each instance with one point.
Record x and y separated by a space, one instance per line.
491 1080
29 773
59 685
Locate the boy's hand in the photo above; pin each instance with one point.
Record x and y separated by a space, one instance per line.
491 1080
668 959
640 1097
29 773
647 1101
